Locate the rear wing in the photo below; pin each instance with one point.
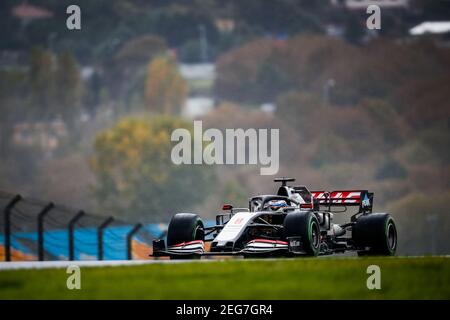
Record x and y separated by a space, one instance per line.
355 198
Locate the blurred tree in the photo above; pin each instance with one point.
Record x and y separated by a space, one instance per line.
130 63
18 163
423 102
272 80
165 89
437 140
138 51
135 175
69 88
235 194
354 27
391 169
384 121
243 74
268 67
13 102
42 80
301 110
331 149
423 223
282 16
56 86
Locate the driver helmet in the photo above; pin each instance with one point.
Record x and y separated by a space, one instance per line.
275 205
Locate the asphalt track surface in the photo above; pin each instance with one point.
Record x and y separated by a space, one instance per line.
16 265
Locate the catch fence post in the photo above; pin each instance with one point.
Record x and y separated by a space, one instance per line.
40 224
71 227
130 238
100 229
7 228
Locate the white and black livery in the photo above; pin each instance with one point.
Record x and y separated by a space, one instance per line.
294 221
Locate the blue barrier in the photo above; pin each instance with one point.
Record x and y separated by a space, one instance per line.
56 243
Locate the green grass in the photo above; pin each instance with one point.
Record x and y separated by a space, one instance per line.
401 278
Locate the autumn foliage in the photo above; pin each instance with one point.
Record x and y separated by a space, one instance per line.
136 177
165 89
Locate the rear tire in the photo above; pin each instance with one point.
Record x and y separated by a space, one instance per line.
306 226
185 227
377 232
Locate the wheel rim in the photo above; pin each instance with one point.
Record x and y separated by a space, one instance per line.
391 236
198 233
315 236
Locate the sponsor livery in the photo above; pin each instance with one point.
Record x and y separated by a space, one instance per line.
344 197
191 247
263 245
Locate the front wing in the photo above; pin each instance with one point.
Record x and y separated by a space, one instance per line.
256 247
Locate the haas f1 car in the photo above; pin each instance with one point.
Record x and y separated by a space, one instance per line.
293 222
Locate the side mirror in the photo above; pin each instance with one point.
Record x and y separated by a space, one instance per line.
227 207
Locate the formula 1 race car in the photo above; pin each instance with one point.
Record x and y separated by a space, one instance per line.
293 222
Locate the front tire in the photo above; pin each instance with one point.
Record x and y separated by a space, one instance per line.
375 234
306 226
185 227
